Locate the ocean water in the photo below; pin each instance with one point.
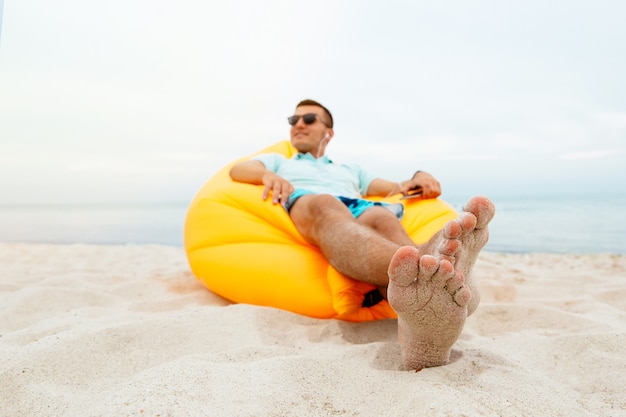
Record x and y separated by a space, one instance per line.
557 224
522 224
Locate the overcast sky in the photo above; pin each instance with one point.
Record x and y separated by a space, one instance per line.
143 100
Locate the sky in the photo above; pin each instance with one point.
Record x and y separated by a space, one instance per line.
142 101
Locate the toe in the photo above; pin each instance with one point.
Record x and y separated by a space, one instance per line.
448 247
452 230
444 272
428 265
463 296
482 208
404 266
468 222
455 283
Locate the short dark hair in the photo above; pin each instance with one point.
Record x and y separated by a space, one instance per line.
309 102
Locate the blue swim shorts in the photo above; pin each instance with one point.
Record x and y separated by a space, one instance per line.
356 205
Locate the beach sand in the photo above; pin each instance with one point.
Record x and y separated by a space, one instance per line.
127 331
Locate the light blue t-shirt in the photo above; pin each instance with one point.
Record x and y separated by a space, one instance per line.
319 175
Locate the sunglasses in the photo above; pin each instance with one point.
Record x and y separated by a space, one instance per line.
308 119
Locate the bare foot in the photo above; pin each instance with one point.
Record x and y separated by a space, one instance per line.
431 300
462 239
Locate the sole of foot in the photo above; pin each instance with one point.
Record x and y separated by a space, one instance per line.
431 298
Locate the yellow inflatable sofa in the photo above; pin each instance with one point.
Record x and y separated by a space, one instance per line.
248 251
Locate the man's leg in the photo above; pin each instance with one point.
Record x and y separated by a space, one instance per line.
430 294
362 248
386 223
354 249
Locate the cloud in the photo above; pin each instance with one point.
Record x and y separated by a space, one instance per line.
131 94
597 154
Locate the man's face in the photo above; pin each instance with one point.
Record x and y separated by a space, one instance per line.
311 137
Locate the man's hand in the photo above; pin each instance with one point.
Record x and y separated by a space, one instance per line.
280 188
430 187
254 172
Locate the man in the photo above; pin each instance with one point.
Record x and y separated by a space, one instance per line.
429 286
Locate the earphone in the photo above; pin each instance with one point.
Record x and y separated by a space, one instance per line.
322 142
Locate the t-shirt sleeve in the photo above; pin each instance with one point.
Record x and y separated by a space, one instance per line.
272 161
364 177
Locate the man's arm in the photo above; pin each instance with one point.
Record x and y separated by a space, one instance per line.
384 188
254 172
250 172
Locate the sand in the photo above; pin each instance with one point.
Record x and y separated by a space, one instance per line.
127 331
